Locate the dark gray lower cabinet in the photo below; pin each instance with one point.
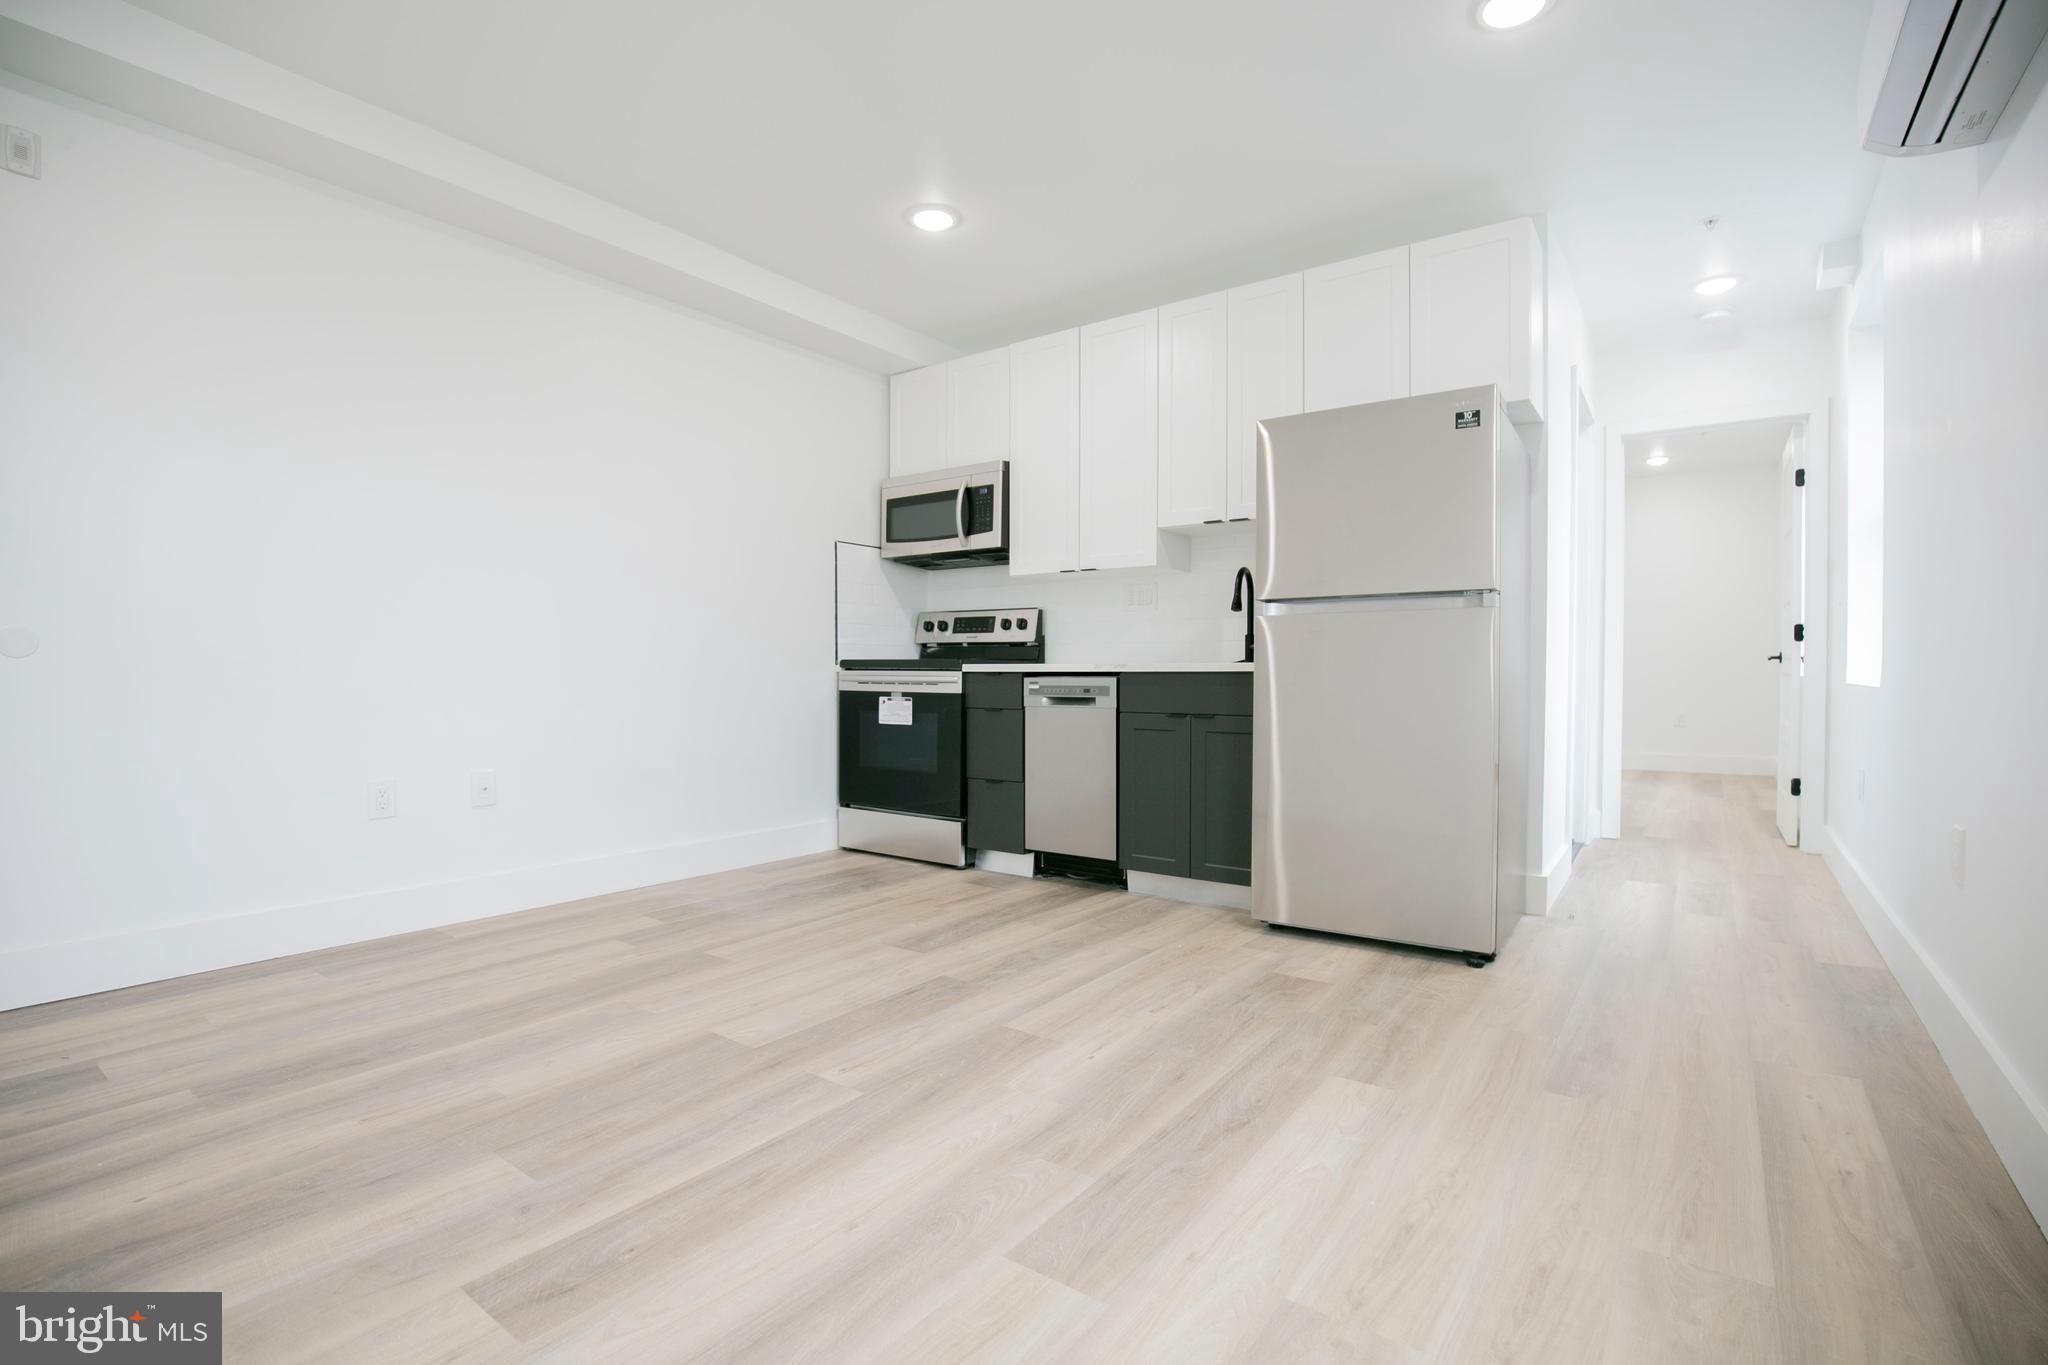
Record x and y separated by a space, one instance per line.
995 815
995 761
1153 832
1220 783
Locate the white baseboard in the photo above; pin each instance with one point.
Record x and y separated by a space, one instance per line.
1009 864
2014 1119
58 971
1733 765
1540 890
1220 895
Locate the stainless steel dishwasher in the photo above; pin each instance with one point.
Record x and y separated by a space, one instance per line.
1070 766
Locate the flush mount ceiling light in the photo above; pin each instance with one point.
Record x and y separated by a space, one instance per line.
1715 284
1658 461
933 217
1714 315
1510 13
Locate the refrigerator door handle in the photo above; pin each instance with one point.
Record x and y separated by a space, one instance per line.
1419 601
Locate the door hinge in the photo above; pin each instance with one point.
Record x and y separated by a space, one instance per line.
1799 633
1795 786
1799 478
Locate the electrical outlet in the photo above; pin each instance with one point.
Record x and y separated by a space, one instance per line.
383 798
483 787
1678 722
1141 596
1958 848
24 151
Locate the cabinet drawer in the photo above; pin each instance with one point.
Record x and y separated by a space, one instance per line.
1208 694
995 745
995 690
995 815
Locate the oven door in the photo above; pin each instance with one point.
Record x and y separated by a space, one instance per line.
949 515
900 743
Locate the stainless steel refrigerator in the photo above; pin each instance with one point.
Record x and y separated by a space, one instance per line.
1390 713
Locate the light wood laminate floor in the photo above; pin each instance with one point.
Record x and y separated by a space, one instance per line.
847 1108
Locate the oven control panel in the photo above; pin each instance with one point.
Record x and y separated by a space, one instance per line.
1009 626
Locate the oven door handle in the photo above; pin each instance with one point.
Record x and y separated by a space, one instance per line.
960 513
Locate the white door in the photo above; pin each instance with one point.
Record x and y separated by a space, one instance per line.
917 421
1354 331
1193 410
1045 451
1265 379
1120 442
978 401
1790 655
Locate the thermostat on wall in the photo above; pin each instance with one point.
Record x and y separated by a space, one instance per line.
24 152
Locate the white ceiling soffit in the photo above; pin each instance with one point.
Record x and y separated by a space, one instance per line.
1694 450
140 64
1114 156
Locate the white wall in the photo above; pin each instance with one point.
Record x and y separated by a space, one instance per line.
300 492
1701 615
1554 477
1785 366
1956 736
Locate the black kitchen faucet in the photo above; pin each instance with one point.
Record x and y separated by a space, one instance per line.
1240 600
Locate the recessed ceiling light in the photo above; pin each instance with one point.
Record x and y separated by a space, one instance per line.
934 217
1510 13
1714 315
1658 461
1715 284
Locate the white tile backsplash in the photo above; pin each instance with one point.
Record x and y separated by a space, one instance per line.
878 605
1090 619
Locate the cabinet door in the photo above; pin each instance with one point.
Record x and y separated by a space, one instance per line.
1354 331
917 421
1220 787
1265 378
1476 314
1152 794
1045 452
1194 395
1120 442
978 405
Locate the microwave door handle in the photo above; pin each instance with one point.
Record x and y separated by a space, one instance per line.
960 512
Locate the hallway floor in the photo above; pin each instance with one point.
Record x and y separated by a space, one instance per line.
847 1108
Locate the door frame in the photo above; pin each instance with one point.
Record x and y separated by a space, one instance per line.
1814 412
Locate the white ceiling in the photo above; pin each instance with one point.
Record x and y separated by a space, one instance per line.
1109 156
1695 449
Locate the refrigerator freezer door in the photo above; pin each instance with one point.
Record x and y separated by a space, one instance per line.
1393 497
1375 786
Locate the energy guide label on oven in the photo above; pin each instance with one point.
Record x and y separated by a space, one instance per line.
894 710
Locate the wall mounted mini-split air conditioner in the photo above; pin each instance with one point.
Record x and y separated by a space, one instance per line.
1954 66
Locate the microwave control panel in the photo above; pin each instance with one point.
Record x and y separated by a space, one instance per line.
980 512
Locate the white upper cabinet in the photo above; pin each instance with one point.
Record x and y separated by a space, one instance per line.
1476 314
978 405
1045 453
1264 365
1120 442
1194 410
1354 331
918 420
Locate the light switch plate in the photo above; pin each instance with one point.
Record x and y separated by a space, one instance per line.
24 151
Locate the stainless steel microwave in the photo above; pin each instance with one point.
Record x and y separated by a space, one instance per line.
948 518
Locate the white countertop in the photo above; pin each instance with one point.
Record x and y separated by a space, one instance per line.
1106 668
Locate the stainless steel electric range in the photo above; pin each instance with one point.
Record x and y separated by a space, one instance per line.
902 783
